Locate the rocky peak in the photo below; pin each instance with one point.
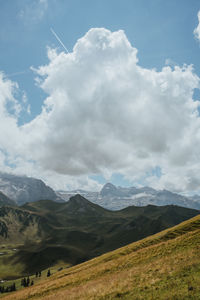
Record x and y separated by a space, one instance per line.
78 204
78 200
108 189
24 189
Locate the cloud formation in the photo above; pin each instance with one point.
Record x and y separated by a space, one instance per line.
33 11
197 29
106 114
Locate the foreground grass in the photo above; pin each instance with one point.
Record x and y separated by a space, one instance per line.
163 266
54 269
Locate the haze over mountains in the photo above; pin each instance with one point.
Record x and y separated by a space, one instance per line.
22 189
115 198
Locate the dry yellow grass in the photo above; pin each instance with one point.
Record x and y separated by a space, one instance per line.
163 266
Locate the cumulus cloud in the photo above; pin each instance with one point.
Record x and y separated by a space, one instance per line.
105 113
197 29
9 112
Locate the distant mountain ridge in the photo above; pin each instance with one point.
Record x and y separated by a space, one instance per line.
116 198
78 230
4 200
22 189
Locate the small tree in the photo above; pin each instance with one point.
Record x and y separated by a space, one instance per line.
23 282
13 287
27 281
48 273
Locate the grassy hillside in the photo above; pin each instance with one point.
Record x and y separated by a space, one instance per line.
163 266
42 234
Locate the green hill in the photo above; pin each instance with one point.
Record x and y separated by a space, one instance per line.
45 233
4 200
163 266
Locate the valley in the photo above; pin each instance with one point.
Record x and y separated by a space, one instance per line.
47 232
74 239
156 267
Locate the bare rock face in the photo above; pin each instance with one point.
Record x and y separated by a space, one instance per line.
109 189
24 189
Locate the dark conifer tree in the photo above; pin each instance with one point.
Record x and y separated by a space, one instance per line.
24 281
14 287
27 281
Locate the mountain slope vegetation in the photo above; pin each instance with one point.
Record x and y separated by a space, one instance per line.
163 266
45 232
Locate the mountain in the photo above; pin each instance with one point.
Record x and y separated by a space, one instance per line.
19 226
4 200
162 266
195 198
109 189
24 189
46 232
116 198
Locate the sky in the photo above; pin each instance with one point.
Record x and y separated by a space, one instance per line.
119 102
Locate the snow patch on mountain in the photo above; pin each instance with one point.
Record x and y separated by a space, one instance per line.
116 198
24 189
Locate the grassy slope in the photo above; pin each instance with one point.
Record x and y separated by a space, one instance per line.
163 266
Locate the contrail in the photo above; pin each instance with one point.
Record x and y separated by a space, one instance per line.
18 73
59 40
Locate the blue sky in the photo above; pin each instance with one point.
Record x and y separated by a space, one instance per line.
161 31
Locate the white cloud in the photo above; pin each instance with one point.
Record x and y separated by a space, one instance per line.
9 112
33 11
106 114
197 29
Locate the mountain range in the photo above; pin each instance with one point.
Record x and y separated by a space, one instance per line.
22 189
42 229
116 198
46 232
